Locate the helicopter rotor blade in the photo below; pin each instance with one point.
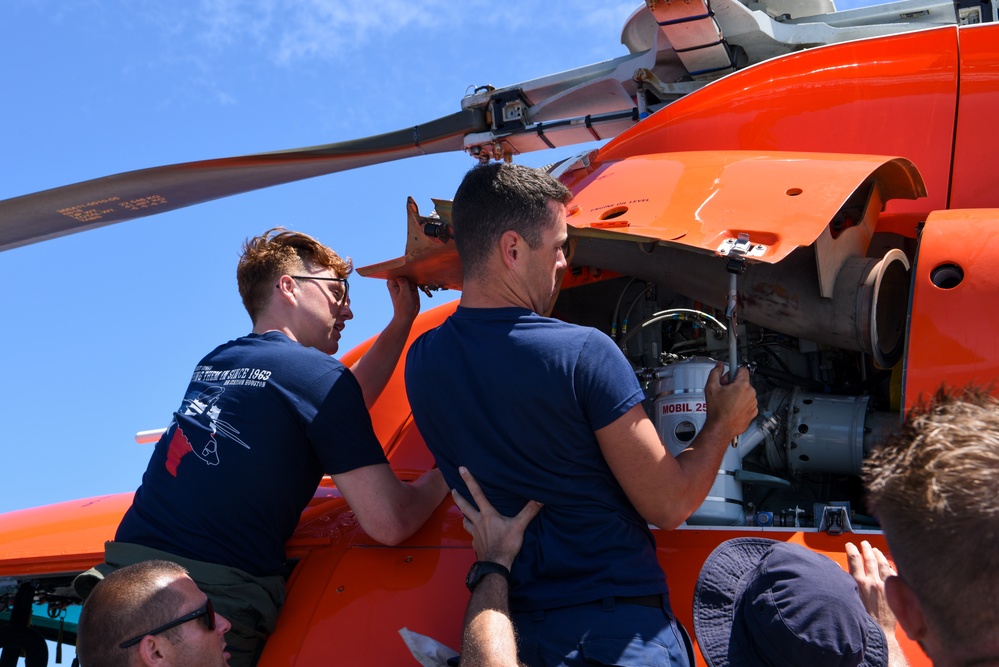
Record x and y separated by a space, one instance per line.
135 194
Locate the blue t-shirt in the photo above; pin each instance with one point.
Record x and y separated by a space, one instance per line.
516 397
263 418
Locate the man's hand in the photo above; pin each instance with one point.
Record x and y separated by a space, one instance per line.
405 299
731 402
870 569
495 537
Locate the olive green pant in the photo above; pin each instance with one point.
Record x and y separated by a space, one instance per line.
251 604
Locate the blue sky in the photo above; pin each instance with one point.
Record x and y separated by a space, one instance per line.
101 330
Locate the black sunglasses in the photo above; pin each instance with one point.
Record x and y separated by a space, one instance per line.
206 611
346 285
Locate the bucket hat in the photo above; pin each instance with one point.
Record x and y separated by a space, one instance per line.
764 602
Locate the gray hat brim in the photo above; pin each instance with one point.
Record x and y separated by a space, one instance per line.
719 588
716 592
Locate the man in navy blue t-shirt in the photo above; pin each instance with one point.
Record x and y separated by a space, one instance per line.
543 410
263 418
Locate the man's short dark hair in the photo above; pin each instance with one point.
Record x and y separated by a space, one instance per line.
126 602
498 197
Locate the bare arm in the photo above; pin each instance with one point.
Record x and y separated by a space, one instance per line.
667 490
388 509
489 639
374 369
870 569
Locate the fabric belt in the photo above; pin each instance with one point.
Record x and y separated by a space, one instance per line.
656 601
642 600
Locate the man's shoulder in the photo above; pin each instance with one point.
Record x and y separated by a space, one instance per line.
513 324
567 333
275 352
521 319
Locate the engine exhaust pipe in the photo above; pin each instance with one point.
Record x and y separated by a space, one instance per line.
866 313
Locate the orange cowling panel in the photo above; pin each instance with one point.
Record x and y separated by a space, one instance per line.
64 537
953 324
976 143
887 96
347 599
699 199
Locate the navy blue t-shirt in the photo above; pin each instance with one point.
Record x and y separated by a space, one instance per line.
263 418
516 397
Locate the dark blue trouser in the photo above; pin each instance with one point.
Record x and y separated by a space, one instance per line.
605 632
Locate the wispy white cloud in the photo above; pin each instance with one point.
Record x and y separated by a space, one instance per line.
390 43
290 31
606 13
294 30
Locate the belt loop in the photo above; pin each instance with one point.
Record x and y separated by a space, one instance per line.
687 643
609 604
538 615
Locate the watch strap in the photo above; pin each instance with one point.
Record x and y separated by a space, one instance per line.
481 568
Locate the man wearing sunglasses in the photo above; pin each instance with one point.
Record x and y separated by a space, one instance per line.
150 613
263 418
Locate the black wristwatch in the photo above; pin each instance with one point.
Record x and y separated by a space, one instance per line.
481 568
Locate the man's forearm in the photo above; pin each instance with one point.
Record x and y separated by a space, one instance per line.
375 368
423 497
489 639
896 658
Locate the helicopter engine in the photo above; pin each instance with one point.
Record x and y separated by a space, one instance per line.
797 435
824 400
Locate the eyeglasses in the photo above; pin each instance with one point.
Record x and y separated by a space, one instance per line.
342 299
206 611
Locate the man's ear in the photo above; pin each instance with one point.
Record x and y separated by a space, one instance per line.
286 286
151 651
905 605
511 243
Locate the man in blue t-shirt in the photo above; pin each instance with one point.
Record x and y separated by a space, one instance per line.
548 411
263 418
